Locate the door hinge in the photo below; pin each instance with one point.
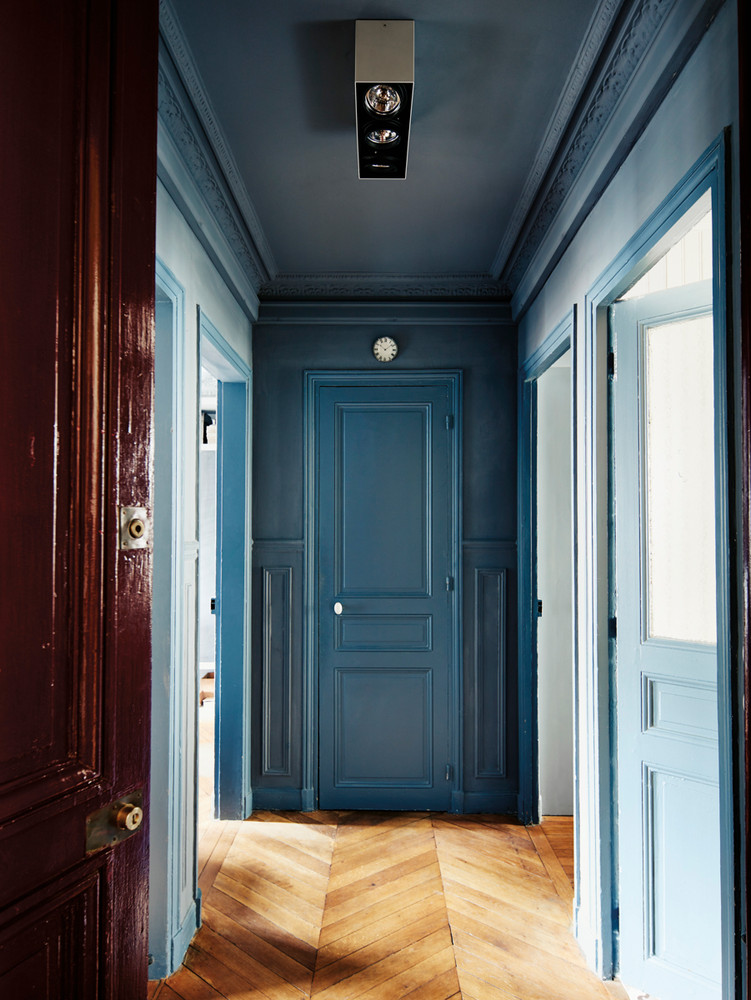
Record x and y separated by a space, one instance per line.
612 628
449 421
449 583
539 609
449 772
611 366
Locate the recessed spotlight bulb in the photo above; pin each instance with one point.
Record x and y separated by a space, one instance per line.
383 99
382 136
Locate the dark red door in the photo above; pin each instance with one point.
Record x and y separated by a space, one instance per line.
77 182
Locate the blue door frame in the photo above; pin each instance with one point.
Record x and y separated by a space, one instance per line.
232 795
553 347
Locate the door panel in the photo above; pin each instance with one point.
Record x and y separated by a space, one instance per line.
385 559
666 600
231 493
76 311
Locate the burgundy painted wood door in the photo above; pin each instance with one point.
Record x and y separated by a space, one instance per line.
77 197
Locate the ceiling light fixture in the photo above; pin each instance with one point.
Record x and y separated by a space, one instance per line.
384 80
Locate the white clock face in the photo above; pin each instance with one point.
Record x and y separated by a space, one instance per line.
385 349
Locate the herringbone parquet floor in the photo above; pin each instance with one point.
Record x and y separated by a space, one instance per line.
384 906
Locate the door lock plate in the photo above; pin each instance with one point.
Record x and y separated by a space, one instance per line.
115 822
134 528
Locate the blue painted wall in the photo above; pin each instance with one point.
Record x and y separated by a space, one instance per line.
482 343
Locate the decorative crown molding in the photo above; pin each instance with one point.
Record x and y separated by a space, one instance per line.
599 28
195 128
622 58
343 285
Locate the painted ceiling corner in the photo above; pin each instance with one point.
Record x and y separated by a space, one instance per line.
630 38
618 37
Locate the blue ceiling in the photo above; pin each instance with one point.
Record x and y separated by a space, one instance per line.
496 83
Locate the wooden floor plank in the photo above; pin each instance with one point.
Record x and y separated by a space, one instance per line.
418 978
366 980
188 986
382 901
224 981
385 906
275 912
280 938
281 969
553 866
444 986
378 948
384 878
506 921
215 859
372 928
254 973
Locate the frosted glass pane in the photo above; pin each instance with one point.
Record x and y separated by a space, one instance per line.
680 481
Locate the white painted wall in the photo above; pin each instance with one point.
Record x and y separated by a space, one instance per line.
555 673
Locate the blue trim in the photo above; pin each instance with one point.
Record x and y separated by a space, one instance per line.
644 249
553 347
232 791
212 335
491 802
313 381
292 799
173 850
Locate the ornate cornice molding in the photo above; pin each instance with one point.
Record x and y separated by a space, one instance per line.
636 31
599 28
190 119
348 286
389 314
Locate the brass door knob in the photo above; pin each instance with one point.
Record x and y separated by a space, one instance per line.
129 817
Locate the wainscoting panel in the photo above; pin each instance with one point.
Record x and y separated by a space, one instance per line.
277 685
490 687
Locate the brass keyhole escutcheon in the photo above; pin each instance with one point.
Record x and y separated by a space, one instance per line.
129 817
135 528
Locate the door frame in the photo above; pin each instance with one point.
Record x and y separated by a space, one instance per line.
173 890
561 339
232 789
595 605
314 382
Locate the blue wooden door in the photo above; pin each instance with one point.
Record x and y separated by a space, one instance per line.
229 765
386 569
666 648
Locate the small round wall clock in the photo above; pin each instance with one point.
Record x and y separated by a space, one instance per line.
385 349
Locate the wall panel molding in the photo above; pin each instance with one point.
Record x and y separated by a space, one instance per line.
277 673
277 668
490 677
490 642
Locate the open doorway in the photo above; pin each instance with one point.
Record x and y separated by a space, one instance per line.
555 672
546 695
224 577
207 565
